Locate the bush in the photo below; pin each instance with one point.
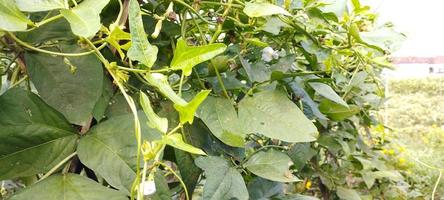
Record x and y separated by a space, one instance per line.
213 100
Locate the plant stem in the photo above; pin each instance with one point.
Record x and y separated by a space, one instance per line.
132 105
178 177
53 52
19 81
436 185
52 170
194 11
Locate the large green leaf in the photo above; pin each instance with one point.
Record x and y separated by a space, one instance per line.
260 9
85 18
12 18
34 137
187 112
262 189
222 180
189 172
272 114
140 50
70 85
221 118
336 111
272 165
68 187
56 30
110 150
40 5
327 92
186 57
347 194
300 154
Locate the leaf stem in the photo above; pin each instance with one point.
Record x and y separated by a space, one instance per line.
53 52
178 177
436 185
52 170
194 11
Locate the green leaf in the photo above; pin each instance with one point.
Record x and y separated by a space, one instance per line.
189 172
274 25
272 165
272 114
154 121
347 194
68 187
175 140
327 92
300 154
187 112
257 72
110 150
56 30
72 94
140 50
104 100
260 9
370 177
116 37
262 189
221 118
34 137
12 18
40 5
222 180
85 18
337 112
186 57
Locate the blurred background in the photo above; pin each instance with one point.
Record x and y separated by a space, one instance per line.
414 111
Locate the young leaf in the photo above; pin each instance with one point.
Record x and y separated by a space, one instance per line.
40 5
11 17
257 9
140 50
336 111
272 165
272 114
85 18
175 140
221 118
327 92
154 121
222 180
186 57
34 137
116 36
68 186
186 112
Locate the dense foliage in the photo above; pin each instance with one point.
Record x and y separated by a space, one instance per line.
206 99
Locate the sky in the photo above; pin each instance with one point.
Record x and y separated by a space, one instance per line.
421 20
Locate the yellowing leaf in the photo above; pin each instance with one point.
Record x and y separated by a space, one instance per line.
186 57
263 9
175 140
85 18
154 121
116 36
140 50
11 17
186 112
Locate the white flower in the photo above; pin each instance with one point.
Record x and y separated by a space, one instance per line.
148 187
269 54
